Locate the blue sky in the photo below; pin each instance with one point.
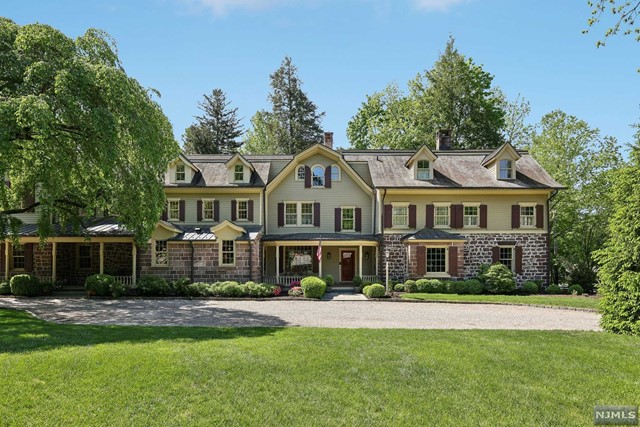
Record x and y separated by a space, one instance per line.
345 49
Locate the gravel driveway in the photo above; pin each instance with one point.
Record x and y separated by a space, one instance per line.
330 314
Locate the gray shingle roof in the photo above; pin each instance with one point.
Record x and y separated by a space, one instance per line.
100 227
432 234
320 236
190 233
214 173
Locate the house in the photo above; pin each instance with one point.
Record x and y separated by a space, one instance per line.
421 213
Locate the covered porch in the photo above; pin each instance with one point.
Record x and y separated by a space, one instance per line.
289 261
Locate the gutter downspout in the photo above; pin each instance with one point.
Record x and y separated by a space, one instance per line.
554 193
192 255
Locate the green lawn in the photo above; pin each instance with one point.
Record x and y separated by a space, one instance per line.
563 301
122 376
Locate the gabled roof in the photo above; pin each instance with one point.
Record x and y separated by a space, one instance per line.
228 224
423 151
498 152
187 162
241 158
433 234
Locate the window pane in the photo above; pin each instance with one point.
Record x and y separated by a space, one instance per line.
239 173
180 173
306 213
400 214
527 216
243 209
84 256
207 209
505 169
301 173
348 222
291 214
318 176
174 209
471 216
160 255
506 256
436 260
423 169
18 258
298 261
442 215
228 252
335 173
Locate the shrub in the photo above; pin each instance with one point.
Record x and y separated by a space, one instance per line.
197 289
474 286
498 279
410 286
328 279
117 289
457 287
25 285
99 284
258 289
153 286
577 289
179 286
363 285
5 288
313 287
554 289
530 287
276 290
374 291
296 291
295 284
231 289
430 286
357 281
399 287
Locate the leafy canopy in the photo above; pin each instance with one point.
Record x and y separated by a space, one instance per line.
77 132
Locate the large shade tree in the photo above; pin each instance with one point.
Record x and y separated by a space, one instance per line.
77 132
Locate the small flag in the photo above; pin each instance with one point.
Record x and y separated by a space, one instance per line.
319 251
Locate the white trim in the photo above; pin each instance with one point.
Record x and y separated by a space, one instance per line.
340 251
238 210
437 205
153 253
400 205
339 172
342 208
323 176
295 172
528 205
434 275
233 160
226 223
422 152
471 205
184 172
429 170
221 257
235 179
513 255
298 204
169 217
213 210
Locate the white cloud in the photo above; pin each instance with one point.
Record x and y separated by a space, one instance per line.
436 5
223 7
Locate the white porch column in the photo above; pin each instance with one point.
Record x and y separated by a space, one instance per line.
6 260
134 261
54 261
320 263
101 257
360 261
277 263
377 261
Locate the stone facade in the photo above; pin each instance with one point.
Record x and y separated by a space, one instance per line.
393 244
412 265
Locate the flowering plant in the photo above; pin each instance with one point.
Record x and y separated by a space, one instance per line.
295 291
295 283
277 290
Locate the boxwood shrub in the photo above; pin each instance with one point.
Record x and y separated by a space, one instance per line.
313 287
474 286
530 287
430 286
153 286
25 285
99 284
374 291
499 279
577 289
399 287
410 286
554 289
5 288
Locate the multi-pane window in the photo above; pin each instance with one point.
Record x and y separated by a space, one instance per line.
527 216
84 257
291 214
300 173
335 173
423 170
228 252
298 260
238 173
436 260
506 169
173 210
306 213
243 209
18 258
400 217
298 213
471 216
160 253
317 179
207 210
348 219
441 216
181 174
506 256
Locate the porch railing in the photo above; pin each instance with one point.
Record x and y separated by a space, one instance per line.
45 279
283 280
127 281
370 278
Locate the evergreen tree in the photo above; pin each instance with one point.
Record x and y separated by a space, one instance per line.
217 130
264 136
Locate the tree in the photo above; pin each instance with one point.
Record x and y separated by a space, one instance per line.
578 157
515 129
297 117
624 13
216 130
77 132
264 136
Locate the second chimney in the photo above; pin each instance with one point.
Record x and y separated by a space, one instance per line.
328 139
443 139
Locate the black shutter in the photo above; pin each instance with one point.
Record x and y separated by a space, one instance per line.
421 255
327 177
358 219
234 205
280 214
453 261
316 214
28 257
338 220
539 216
165 214
518 256
307 177
412 216
515 216
182 209
495 254
430 216
199 210
216 210
483 216
250 210
388 212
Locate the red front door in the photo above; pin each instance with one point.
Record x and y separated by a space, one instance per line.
347 265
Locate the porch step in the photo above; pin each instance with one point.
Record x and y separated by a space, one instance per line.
343 296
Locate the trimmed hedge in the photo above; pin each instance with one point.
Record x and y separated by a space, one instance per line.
153 286
577 289
313 287
430 286
410 286
99 284
374 291
475 286
530 287
399 287
328 279
499 279
25 285
5 288
554 289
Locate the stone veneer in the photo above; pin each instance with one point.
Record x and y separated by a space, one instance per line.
412 267
397 257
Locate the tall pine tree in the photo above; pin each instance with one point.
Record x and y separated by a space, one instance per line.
217 130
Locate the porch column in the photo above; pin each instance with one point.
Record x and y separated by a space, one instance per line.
6 260
377 262
277 263
320 263
360 261
134 256
54 261
101 257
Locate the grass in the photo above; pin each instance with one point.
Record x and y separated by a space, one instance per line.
556 300
125 375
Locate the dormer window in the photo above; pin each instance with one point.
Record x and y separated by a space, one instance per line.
505 170
335 173
317 178
238 173
423 170
300 173
181 173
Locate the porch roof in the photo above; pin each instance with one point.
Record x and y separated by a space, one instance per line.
191 234
320 236
99 227
433 234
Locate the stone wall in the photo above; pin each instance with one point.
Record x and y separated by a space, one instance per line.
397 257
256 260
535 255
412 267
42 260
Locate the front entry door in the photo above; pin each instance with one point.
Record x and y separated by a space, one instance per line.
347 265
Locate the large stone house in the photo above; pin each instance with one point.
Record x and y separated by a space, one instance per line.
278 218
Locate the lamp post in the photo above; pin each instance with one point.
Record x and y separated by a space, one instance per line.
386 266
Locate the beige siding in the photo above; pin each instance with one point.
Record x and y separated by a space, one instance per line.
191 205
498 209
342 193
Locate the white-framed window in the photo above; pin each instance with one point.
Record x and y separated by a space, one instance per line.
348 218
317 176
18 258
506 256
300 173
436 261
528 215
471 216
423 170
336 173
173 209
207 210
242 210
298 214
84 257
505 169
238 173
181 173
228 252
160 253
441 215
400 215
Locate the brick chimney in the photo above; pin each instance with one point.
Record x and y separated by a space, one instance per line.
443 139
328 139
